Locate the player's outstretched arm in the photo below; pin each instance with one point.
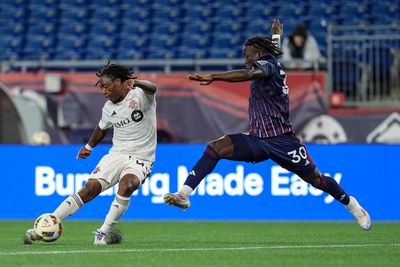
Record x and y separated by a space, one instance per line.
147 86
227 76
97 136
276 31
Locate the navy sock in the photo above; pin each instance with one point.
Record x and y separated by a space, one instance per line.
204 166
331 187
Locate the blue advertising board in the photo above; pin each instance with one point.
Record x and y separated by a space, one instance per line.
35 179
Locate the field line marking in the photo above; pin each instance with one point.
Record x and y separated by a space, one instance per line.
88 251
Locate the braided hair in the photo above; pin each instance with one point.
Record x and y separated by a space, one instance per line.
115 71
264 44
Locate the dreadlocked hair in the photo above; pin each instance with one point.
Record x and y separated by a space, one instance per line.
115 71
265 44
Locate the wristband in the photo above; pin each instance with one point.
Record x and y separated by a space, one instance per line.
88 147
276 36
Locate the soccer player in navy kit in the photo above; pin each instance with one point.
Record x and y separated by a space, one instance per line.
271 134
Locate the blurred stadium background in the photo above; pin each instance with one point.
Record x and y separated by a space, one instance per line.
50 50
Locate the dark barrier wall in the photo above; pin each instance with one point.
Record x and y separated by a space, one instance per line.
186 111
37 179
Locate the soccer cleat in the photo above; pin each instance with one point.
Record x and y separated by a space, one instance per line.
31 236
99 238
114 237
359 213
178 199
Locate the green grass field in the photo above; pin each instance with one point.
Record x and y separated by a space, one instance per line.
209 244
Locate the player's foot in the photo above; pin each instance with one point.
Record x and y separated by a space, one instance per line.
178 199
114 237
99 238
31 236
359 213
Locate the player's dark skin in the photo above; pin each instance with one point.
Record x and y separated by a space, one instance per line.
115 91
224 146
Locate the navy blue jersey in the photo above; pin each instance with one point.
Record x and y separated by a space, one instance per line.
269 100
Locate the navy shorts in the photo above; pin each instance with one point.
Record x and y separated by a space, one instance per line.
285 149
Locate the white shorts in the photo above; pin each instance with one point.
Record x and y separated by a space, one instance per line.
112 167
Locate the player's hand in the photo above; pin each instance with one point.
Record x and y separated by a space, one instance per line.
203 79
83 153
276 27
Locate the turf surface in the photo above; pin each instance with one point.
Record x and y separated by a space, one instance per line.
209 244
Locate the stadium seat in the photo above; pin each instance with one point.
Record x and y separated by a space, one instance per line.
166 28
136 28
160 54
98 54
129 54
67 55
181 26
71 43
110 14
229 12
195 41
73 14
260 11
222 53
12 29
76 28
41 29
43 2
227 41
197 13
228 26
166 14
291 11
258 27
132 42
103 27
184 53
135 14
196 28
100 42
8 54
162 42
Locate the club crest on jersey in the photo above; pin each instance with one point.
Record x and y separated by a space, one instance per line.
132 104
137 115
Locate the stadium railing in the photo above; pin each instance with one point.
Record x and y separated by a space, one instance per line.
364 64
136 65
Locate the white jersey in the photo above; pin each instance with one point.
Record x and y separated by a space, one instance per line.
134 122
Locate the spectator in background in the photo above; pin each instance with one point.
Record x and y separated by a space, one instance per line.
300 49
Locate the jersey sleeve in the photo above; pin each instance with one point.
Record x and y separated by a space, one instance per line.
105 121
265 66
149 98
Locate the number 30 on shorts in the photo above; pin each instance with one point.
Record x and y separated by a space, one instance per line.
298 155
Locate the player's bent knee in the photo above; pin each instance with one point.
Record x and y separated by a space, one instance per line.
128 184
223 146
314 178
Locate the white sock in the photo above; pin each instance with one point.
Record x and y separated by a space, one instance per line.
352 204
69 206
117 209
186 190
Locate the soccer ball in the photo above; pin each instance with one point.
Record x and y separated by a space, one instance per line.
41 138
48 227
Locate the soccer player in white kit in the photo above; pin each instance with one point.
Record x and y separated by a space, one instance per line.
131 110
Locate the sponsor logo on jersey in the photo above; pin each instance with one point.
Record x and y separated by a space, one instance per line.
114 113
137 115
